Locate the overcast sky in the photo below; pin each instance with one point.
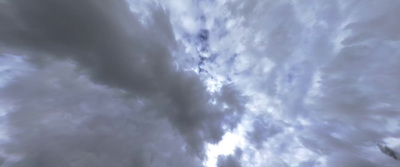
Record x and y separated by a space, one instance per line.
199 83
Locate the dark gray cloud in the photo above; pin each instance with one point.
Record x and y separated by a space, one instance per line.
61 118
112 46
104 37
230 160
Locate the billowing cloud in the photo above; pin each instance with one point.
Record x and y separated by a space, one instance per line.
114 48
61 118
230 160
298 83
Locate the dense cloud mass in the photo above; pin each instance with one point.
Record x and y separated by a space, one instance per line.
62 119
230 160
165 83
107 43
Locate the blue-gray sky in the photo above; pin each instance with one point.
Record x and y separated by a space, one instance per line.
262 83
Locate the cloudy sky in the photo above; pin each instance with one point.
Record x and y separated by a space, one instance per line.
199 83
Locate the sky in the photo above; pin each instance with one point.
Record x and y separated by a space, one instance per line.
199 83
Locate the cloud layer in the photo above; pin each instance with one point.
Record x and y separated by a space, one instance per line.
115 83
108 44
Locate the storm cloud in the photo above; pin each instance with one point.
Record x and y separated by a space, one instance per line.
105 42
198 83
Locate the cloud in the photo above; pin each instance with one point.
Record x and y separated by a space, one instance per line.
61 118
326 71
230 160
262 130
112 47
346 159
321 75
